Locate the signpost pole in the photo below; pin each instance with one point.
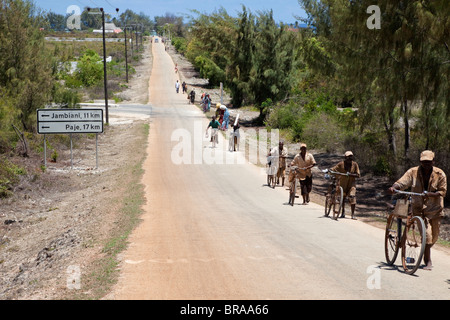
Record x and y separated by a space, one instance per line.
45 152
71 156
96 150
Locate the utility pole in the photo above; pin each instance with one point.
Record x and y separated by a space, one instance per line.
105 79
126 53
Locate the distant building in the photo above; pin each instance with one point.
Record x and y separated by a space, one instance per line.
109 28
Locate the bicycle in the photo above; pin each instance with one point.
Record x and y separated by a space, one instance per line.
405 231
271 171
334 197
214 137
293 185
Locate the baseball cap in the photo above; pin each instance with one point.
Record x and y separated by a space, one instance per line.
302 145
348 153
427 155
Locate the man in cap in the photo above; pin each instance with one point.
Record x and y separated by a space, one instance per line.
304 161
432 181
348 182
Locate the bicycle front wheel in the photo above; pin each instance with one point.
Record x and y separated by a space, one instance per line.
413 244
337 205
392 238
292 192
273 181
328 204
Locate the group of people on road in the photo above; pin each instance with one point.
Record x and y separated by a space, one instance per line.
305 161
425 179
221 121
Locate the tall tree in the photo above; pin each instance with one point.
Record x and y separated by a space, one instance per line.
275 60
25 65
400 65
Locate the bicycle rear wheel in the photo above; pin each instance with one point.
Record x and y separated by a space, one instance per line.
337 205
413 244
392 238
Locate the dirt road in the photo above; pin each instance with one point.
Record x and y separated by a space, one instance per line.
213 230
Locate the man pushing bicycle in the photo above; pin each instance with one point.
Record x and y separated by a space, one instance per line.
431 181
348 182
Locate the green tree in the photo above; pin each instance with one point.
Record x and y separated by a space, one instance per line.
25 64
389 70
274 61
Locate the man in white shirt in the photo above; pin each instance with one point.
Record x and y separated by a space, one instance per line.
279 153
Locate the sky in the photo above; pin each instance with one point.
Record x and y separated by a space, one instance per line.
283 10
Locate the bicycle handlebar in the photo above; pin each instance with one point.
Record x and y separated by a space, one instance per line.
297 168
410 193
338 173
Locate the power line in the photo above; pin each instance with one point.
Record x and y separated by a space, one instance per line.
110 4
94 3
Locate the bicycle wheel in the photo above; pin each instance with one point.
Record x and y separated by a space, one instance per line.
273 182
214 140
413 244
337 205
292 192
392 238
328 205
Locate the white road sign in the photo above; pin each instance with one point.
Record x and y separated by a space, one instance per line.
70 121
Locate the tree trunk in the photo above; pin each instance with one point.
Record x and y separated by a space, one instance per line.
390 131
407 130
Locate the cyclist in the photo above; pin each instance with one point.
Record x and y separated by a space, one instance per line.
348 183
432 181
213 124
304 160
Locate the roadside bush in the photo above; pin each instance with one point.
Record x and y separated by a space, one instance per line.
209 70
9 175
65 96
322 131
90 69
180 44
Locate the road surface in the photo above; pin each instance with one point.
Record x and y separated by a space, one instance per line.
214 230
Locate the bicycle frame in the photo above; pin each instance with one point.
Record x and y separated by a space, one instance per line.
334 195
214 136
408 234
